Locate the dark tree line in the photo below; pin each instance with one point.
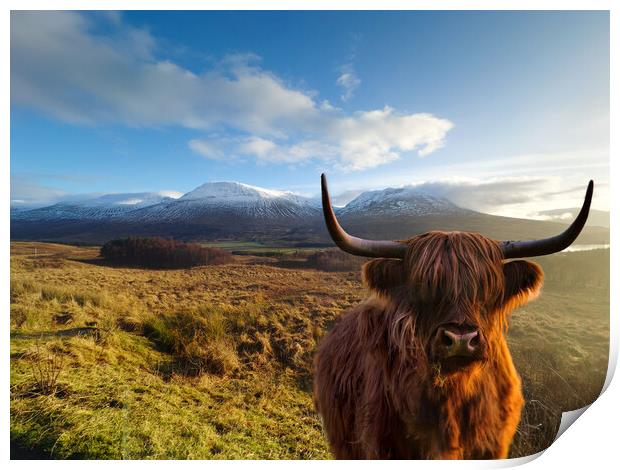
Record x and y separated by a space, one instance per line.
156 252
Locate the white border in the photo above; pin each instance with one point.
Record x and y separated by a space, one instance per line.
591 443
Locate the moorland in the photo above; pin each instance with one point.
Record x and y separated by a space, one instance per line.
214 362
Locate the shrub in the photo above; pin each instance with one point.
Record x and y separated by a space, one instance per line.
46 367
161 253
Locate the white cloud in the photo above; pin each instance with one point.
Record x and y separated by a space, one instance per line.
59 65
371 138
206 149
264 150
491 195
62 66
522 197
358 142
300 152
348 81
170 193
257 146
563 217
28 193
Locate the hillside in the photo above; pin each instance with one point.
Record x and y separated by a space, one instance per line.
106 207
500 228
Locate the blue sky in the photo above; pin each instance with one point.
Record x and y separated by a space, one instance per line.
506 112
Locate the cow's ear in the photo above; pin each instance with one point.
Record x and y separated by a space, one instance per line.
382 275
523 280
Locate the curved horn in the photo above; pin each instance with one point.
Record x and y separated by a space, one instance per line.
354 245
547 246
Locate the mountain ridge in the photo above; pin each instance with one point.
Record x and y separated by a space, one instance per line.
99 207
231 210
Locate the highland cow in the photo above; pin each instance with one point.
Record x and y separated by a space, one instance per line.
421 369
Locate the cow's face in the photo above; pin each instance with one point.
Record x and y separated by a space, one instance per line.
458 291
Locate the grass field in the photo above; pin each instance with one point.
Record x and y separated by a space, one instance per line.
259 249
215 362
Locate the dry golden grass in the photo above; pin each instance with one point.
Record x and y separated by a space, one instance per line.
215 362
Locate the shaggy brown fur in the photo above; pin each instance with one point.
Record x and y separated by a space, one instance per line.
376 387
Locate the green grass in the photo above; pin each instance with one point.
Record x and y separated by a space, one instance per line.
215 362
234 245
179 364
118 406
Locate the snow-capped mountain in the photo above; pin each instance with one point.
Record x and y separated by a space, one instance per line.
229 199
407 200
97 208
229 210
238 193
221 203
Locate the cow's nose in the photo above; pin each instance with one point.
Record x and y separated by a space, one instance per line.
453 342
